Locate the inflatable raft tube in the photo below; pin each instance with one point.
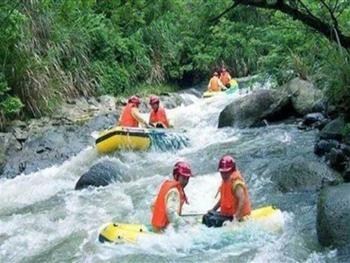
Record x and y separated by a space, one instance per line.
123 138
268 217
233 88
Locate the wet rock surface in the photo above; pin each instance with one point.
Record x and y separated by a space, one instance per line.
252 109
333 216
102 174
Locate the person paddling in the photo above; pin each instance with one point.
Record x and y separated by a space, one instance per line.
234 202
157 117
225 77
130 116
215 83
171 197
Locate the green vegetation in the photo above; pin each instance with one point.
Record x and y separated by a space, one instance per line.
52 50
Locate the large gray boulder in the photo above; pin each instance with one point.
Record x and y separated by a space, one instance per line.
305 97
333 216
300 174
333 130
251 110
102 174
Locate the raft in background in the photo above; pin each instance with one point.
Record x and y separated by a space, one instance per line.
139 139
232 89
268 218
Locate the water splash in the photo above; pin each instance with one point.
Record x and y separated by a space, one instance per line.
165 140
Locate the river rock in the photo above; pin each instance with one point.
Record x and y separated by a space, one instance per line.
102 174
9 145
304 96
171 101
167 100
300 174
333 215
343 254
345 148
312 118
2 150
54 145
337 159
346 173
333 130
325 146
332 112
253 109
107 102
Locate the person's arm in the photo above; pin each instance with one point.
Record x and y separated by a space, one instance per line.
209 85
167 124
173 208
222 87
149 121
217 205
136 114
239 192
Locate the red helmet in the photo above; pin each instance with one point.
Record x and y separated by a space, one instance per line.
226 164
135 100
153 100
182 169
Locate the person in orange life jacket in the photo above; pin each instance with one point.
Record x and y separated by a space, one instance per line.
215 83
130 116
157 117
168 204
234 202
225 77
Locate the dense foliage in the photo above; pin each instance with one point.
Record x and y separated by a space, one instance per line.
56 49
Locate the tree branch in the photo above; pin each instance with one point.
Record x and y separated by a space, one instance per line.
306 9
312 21
236 3
335 21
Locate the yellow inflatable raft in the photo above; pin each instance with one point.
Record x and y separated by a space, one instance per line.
122 138
268 217
233 88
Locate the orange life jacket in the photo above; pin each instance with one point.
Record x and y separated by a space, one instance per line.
229 201
126 118
159 218
159 116
225 78
214 84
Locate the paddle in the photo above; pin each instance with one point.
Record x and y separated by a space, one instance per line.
193 214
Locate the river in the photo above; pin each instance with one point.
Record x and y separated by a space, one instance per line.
43 219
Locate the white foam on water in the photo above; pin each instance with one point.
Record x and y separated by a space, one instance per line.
28 189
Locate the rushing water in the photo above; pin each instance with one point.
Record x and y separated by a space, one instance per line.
42 218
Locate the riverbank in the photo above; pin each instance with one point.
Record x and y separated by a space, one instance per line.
39 143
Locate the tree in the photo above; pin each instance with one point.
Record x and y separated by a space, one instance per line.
324 16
